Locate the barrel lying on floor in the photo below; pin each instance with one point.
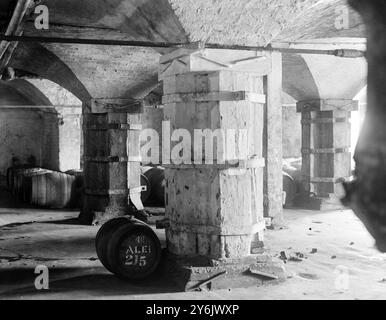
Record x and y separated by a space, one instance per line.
128 248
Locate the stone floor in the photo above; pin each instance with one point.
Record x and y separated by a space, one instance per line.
328 256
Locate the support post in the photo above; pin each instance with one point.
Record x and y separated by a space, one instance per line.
106 158
215 204
326 157
273 143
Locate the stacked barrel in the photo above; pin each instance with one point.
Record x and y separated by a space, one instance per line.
51 189
41 187
154 179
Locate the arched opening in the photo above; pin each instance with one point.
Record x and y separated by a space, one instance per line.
29 130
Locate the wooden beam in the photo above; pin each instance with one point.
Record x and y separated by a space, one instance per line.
15 28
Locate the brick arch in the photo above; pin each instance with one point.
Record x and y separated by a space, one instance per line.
30 92
34 58
298 81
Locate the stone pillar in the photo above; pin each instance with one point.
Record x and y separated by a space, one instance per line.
106 157
215 209
326 157
273 143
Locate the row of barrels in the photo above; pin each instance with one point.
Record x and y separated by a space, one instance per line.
51 189
45 188
154 179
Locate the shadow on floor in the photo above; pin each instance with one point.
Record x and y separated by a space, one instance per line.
8 200
71 222
81 281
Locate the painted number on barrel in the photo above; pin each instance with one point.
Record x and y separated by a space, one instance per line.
137 255
135 260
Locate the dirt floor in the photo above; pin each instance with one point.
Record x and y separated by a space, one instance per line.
329 256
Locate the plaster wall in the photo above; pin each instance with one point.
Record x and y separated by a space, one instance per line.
25 132
292 132
70 137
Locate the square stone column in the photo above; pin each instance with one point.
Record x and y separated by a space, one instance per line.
215 209
106 157
326 140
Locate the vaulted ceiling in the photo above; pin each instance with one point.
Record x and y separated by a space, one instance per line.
113 71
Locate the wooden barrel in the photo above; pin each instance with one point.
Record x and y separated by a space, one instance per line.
289 187
133 251
17 182
103 236
51 189
156 177
77 188
26 175
75 172
10 174
13 178
146 193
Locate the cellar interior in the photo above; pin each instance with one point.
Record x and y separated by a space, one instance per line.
177 149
